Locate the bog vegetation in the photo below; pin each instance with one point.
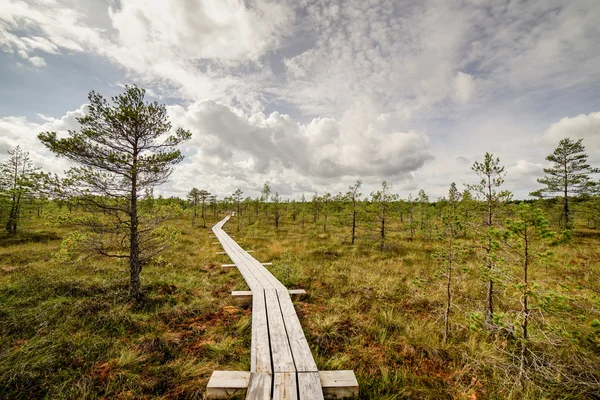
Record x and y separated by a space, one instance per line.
107 291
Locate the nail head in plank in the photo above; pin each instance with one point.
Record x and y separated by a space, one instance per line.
339 383
227 384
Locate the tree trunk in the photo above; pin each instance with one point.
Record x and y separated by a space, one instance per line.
490 288
353 225
448 297
382 231
134 244
525 311
13 216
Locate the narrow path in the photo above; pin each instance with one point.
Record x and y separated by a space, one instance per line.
282 366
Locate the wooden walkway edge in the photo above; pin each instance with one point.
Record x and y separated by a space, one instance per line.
282 365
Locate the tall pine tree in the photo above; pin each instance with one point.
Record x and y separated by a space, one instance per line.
569 175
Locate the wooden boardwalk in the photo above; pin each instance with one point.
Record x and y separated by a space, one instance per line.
282 366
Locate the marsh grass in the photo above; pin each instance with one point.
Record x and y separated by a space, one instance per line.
69 331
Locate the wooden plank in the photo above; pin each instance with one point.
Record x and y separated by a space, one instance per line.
302 356
309 386
297 292
280 346
228 266
267 264
221 252
260 354
284 386
227 384
339 384
241 297
259 387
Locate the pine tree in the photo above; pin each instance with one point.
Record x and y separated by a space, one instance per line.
568 175
492 177
381 200
449 252
122 149
353 196
526 240
18 178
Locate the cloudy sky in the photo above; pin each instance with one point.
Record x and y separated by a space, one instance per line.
311 95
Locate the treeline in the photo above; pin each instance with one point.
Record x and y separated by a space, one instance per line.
569 192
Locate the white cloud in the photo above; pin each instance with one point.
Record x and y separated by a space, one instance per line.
246 147
19 131
583 126
524 168
44 26
227 30
465 87
37 61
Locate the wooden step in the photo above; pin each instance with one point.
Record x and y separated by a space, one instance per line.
339 384
233 384
242 297
227 385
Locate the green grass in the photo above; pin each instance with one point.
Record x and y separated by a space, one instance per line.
69 331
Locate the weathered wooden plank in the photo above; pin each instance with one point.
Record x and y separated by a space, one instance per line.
339 384
241 297
260 354
284 386
280 346
297 292
259 387
227 384
309 386
303 358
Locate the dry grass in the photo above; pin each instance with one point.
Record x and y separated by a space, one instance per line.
69 331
